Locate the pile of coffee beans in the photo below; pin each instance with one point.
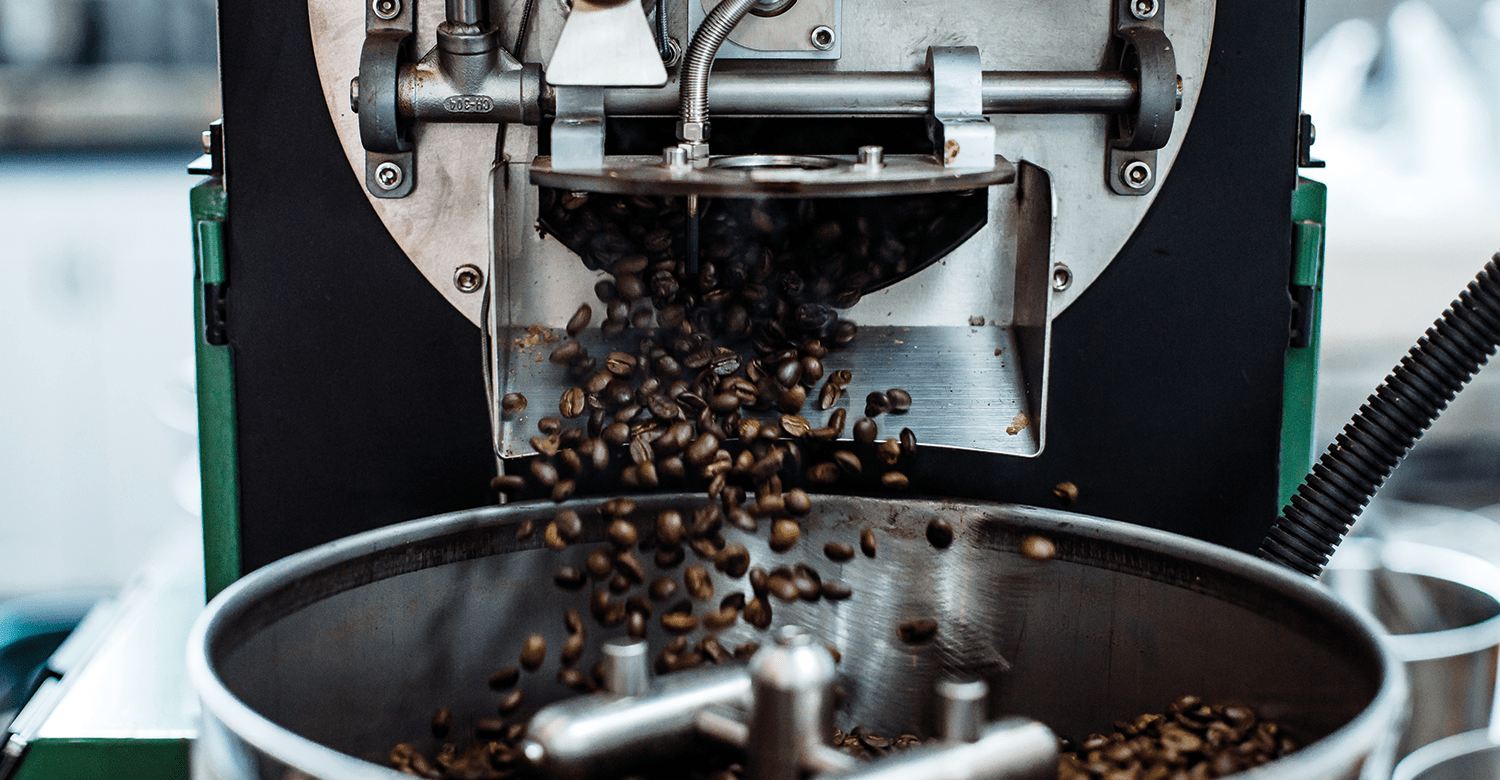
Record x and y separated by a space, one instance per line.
1190 741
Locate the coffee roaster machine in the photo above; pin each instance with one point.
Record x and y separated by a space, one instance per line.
1074 232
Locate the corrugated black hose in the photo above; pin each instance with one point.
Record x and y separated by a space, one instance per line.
1392 419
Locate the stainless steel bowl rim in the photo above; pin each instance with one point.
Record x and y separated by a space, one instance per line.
1321 759
1438 563
1445 749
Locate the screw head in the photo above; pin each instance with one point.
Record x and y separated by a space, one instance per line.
1062 277
1144 9
468 278
1136 175
386 9
822 37
389 176
354 94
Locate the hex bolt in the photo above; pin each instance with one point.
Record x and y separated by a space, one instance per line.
822 37
962 713
1062 277
468 278
1144 9
675 156
388 176
625 667
386 9
1136 174
354 94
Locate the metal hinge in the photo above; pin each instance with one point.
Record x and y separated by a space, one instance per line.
213 272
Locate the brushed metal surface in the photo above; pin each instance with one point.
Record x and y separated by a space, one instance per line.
444 223
323 661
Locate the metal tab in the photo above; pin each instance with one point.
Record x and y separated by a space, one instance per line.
961 134
578 130
606 43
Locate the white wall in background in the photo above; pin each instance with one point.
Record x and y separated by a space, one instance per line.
97 421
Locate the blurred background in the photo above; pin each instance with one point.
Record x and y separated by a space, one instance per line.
102 103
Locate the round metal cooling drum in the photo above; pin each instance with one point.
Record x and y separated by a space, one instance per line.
317 665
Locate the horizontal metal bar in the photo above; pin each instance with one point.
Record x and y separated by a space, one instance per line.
880 94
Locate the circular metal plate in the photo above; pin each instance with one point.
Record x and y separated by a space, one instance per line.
758 176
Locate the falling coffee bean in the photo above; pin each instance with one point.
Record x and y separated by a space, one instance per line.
569 525
758 613
834 590
567 353
867 542
572 621
908 442
505 678
865 430
553 539
894 480
888 452
442 720
623 534
508 483
572 649
917 630
1038 548
899 400
599 564
572 402
836 551
697 583
525 529
569 578
636 626
533 652
797 501
939 533
733 560
579 320
663 588
678 622
513 403
510 701
784 534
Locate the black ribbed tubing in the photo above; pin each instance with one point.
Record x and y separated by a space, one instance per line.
1386 427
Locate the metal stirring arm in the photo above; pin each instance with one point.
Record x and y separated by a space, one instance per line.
779 711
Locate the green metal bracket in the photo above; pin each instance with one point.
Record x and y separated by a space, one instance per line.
218 445
1300 389
117 759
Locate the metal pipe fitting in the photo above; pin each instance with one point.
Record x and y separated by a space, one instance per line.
587 736
791 681
464 12
692 122
961 716
1010 749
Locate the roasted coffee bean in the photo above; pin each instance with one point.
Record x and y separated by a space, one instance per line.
513 403
795 425
1066 492
788 372
823 473
758 613
836 422
572 678
572 649
670 556
569 462
703 450
571 402
704 548
569 525
619 583
620 363
838 551
898 400
599 602
545 445
647 474
876 403
917 630
505 678
1038 548
553 539
759 581
812 370
533 652
678 622
829 395
508 483
734 601
595 453
865 430
580 320
623 534
510 701
908 442
792 400
742 520
834 651
635 625
733 560
599 564
572 621
894 480
715 652
888 451
808 588
442 720
663 588
939 533
669 527
784 534
630 567
867 542
699 585
720 619
616 434
744 651
638 603
782 587
834 590
566 353
525 529
797 501
544 473
569 578
618 507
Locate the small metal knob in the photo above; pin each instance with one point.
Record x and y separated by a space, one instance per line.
792 682
626 672
961 717
872 156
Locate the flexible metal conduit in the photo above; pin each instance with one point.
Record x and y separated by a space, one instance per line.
693 100
1386 427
